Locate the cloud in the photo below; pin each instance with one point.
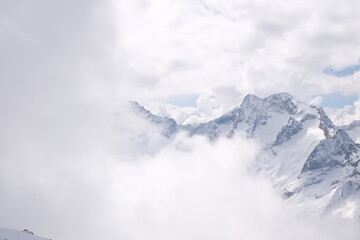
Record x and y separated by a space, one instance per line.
206 103
316 101
179 114
259 47
345 115
204 191
208 106
188 189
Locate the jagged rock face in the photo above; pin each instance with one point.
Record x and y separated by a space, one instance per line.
332 151
332 161
280 103
292 127
329 153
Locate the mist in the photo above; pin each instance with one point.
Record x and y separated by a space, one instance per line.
188 189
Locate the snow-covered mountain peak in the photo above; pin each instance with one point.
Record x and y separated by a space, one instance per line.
282 96
331 151
281 102
250 101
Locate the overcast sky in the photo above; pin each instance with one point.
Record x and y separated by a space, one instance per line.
68 67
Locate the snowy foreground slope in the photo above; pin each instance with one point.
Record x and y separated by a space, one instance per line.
311 162
10 234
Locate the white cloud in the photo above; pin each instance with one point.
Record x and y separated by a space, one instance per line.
345 115
205 192
189 189
208 106
316 101
206 103
179 114
227 97
259 47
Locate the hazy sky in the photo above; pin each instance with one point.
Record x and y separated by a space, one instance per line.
68 67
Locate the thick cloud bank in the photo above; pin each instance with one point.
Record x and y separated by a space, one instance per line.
190 189
195 190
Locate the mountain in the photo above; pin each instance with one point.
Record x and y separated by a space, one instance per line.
250 117
309 159
11 234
